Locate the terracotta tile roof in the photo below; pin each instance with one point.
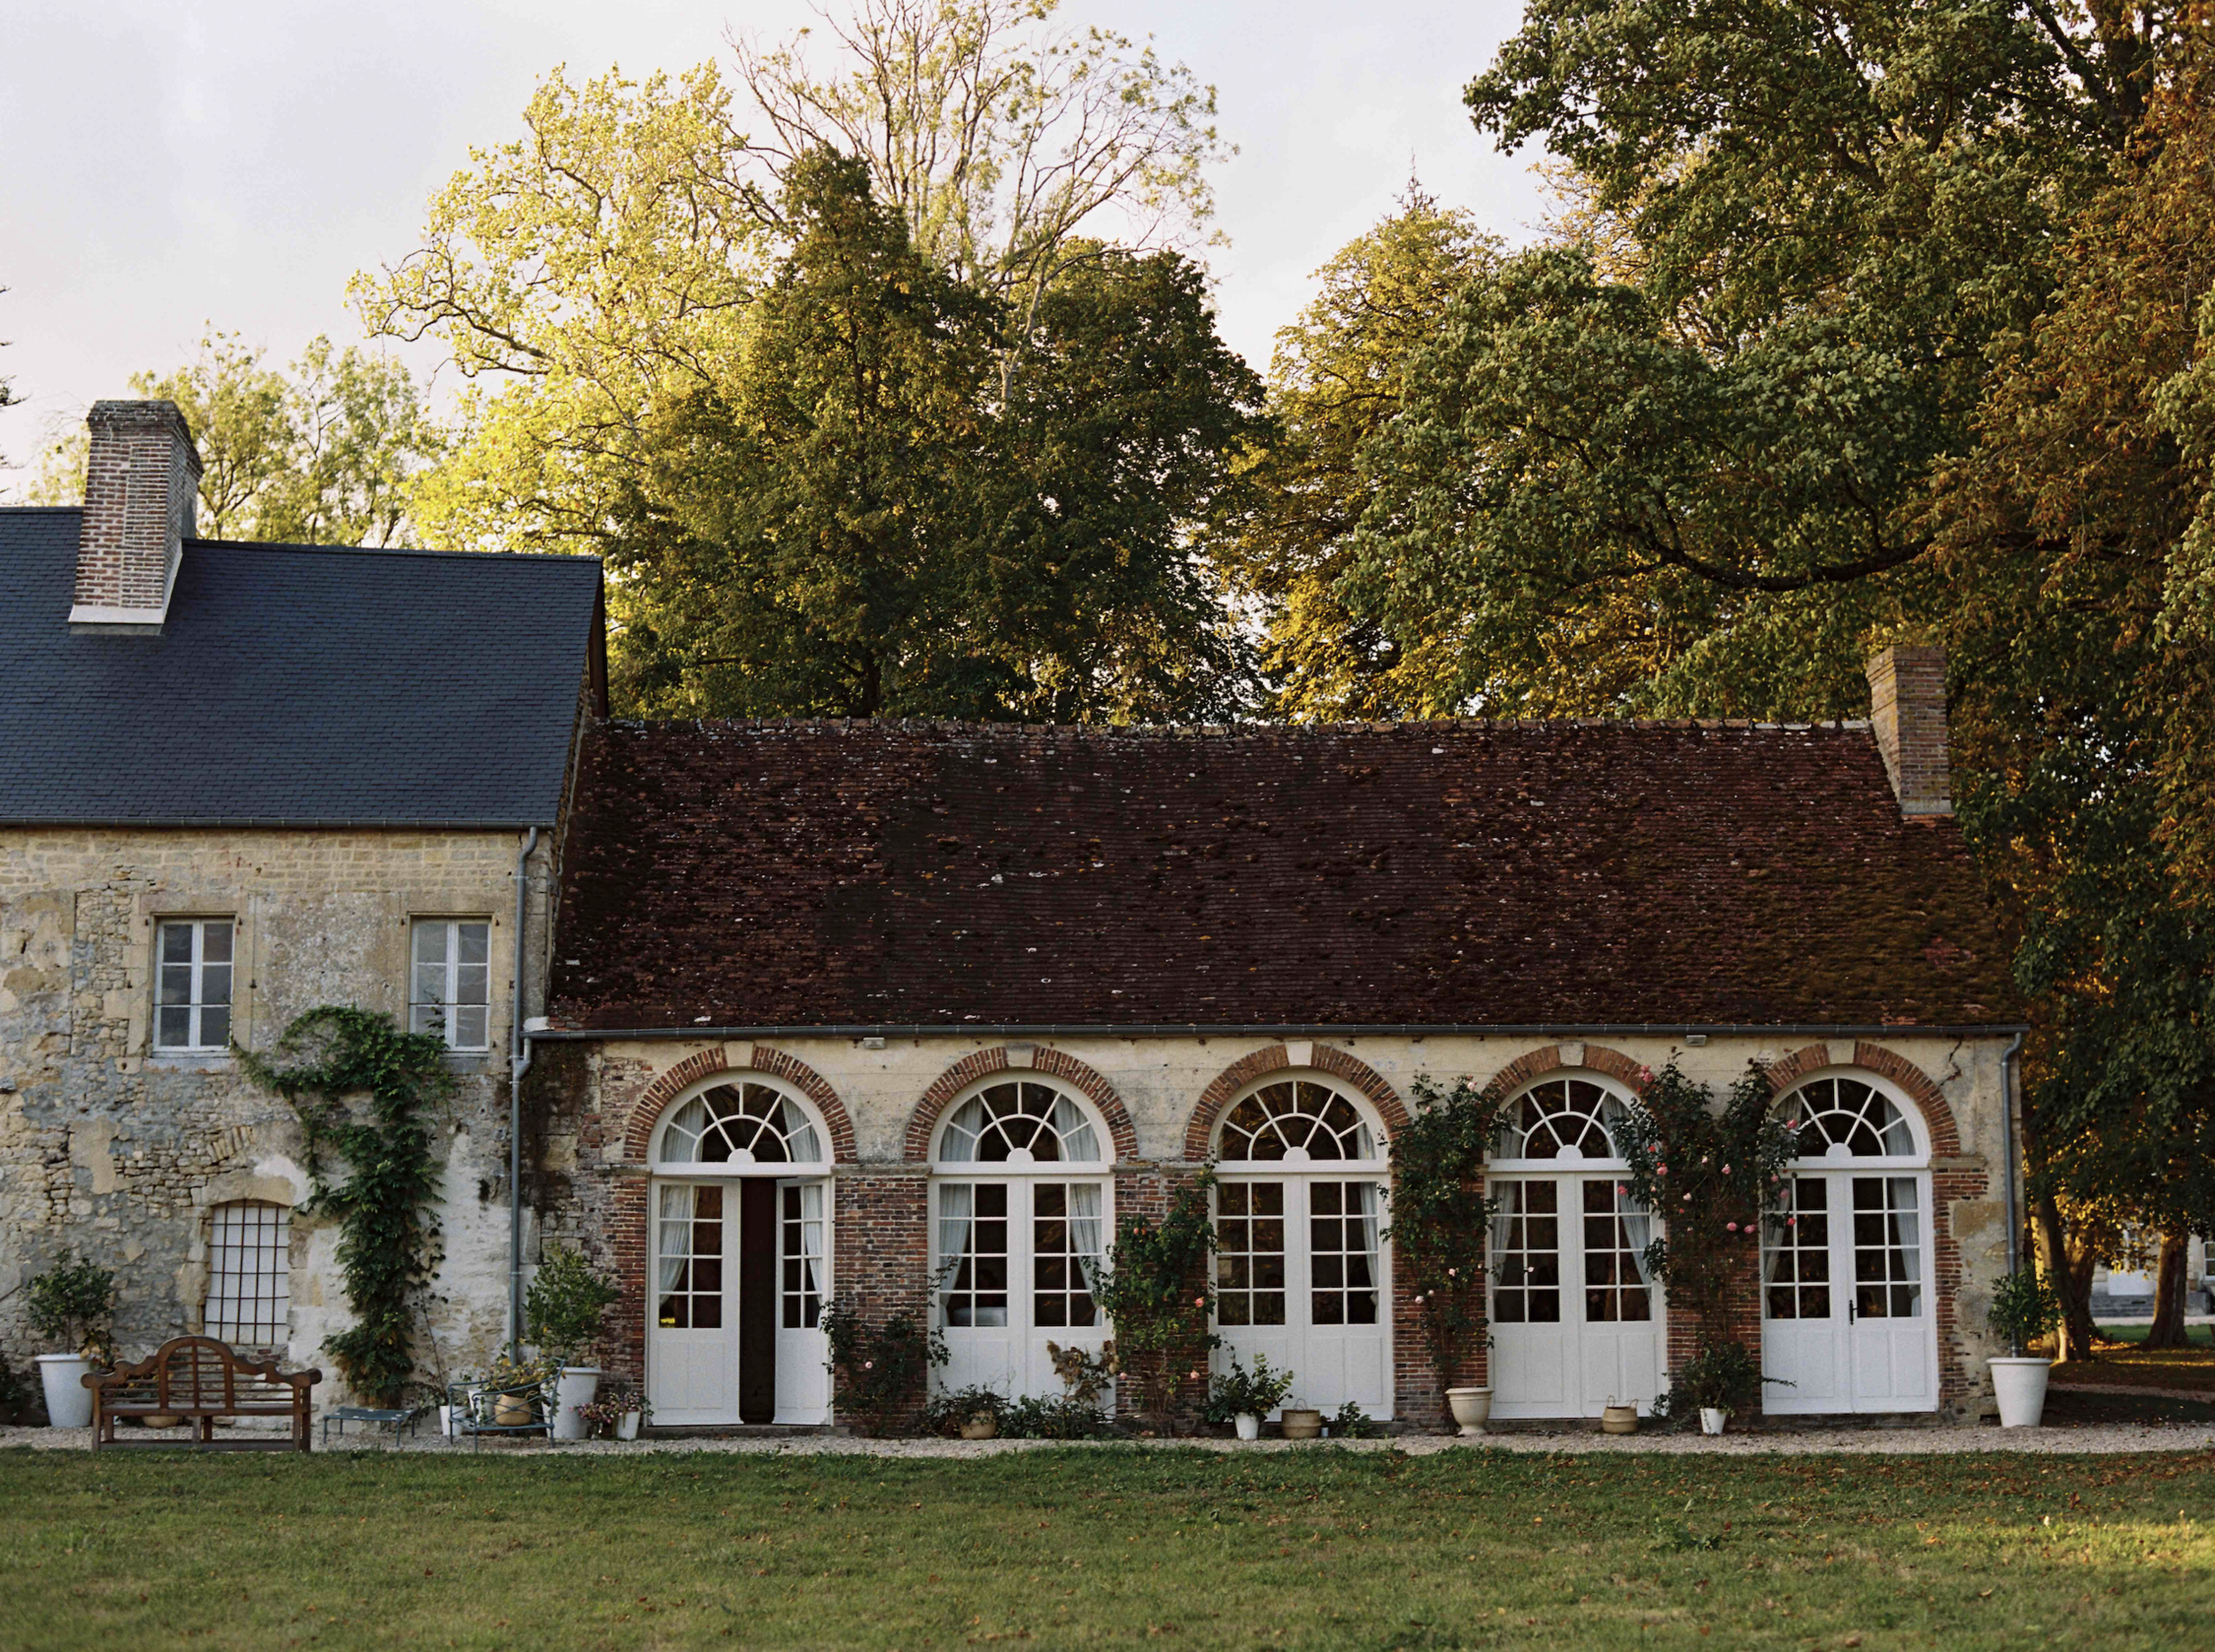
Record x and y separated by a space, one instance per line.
752 875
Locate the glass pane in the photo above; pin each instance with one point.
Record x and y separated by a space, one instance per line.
431 940
176 943
176 983
470 983
475 942
215 1028
468 1027
215 942
215 984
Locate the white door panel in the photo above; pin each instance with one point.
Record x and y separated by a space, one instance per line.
1302 1279
1846 1310
692 1347
1575 1327
1011 1262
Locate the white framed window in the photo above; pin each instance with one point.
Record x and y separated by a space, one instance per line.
193 985
450 988
249 1301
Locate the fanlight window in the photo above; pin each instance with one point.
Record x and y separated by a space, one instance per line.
1566 1118
1833 1113
1036 1122
741 1124
1296 1115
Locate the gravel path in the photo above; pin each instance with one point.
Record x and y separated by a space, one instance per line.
2092 1438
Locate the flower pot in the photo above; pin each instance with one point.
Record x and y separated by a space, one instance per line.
1616 1419
2020 1384
1300 1425
446 1421
1711 1418
980 1425
1472 1408
512 1411
1249 1425
68 1401
627 1425
574 1387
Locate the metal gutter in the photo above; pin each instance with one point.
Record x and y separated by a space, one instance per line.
1365 1029
2007 1137
275 823
518 1064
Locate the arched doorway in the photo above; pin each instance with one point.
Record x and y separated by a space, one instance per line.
1302 1269
1021 1207
1576 1323
1847 1317
741 1257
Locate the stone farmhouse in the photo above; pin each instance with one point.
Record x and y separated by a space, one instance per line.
910 1014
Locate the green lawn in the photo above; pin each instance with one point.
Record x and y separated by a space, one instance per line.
1076 1547
2123 1362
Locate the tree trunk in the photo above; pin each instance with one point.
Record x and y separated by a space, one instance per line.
2167 1330
2072 1283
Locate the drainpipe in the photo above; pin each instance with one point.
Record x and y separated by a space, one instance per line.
2007 1137
518 1064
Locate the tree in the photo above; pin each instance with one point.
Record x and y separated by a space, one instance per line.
858 525
326 455
1336 380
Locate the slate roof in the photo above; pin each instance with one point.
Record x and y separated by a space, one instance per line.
300 685
770 875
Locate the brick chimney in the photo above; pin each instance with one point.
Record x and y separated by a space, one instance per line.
141 479
1907 713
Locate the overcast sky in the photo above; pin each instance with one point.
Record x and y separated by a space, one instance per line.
164 167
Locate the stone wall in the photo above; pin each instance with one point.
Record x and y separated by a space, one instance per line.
117 1153
1160 1095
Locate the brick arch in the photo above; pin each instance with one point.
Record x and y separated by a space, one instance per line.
1938 1115
1536 1064
646 1111
1045 1059
1200 1131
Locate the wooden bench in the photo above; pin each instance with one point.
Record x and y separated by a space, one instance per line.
200 1380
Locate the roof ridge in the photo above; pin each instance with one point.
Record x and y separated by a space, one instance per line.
394 550
1225 731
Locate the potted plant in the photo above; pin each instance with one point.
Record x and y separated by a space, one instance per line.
1441 1224
2024 1308
614 1413
517 1393
970 1412
71 1303
1243 1398
568 1298
1719 1381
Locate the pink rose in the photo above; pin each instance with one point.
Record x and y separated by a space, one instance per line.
1688 1198
1732 1226
1726 1170
1199 1301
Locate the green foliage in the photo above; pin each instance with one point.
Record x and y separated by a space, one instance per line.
1028 1417
1153 1288
1241 1392
1710 1173
569 1298
1350 1422
72 1303
879 1368
1722 1376
1441 1220
362 1089
2024 1308
875 516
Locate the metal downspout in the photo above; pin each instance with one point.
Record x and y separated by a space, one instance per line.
2007 1137
518 1064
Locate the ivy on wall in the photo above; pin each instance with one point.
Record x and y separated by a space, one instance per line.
1440 1216
1153 1288
361 1089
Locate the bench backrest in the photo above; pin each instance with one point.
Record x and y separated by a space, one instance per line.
200 1374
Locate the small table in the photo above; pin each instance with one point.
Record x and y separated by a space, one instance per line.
370 1416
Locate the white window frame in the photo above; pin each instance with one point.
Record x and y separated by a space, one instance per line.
445 1008
197 967
257 1232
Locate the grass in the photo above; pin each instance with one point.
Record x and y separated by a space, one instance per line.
2124 1361
1318 1548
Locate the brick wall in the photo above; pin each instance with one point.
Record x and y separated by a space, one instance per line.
141 476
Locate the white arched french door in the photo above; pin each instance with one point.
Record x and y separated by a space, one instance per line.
1302 1273
741 1266
1021 1208
1576 1323
1847 1321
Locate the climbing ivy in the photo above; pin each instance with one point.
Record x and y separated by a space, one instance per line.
1154 1289
361 1086
1439 1215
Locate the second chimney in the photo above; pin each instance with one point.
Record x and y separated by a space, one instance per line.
141 479
1907 713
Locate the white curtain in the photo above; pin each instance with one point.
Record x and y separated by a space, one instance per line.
956 1201
676 1234
1365 1203
1085 1229
812 1237
1078 1145
1907 1224
800 1146
1638 1229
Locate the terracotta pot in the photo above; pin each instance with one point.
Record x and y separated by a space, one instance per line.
982 1425
1301 1424
1472 1408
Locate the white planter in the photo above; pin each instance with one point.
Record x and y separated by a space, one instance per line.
627 1425
68 1401
1472 1408
1249 1425
446 1421
1712 1419
2020 1384
574 1387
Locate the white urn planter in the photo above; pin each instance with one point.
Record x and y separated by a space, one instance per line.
1711 1418
574 1387
627 1425
1249 1425
1472 1408
2020 1384
68 1401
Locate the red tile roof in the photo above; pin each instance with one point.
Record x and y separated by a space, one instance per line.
756 874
